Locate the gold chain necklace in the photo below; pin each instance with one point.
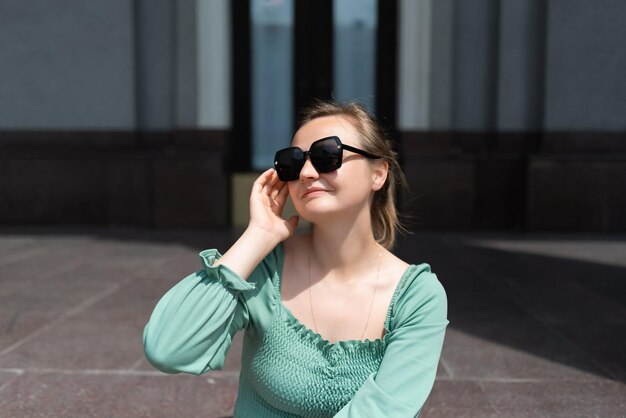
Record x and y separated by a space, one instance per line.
380 259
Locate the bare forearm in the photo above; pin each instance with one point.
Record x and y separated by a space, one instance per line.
245 254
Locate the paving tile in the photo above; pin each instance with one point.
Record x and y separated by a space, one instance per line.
557 399
143 292
528 313
18 276
87 395
604 344
441 370
58 260
139 296
469 356
19 323
15 243
556 299
457 399
6 378
17 253
605 250
53 295
559 289
89 341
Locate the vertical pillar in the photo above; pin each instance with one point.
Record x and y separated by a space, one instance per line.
213 43
414 64
354 51
155 64
442 64
185 64
521 65
272 78
475 69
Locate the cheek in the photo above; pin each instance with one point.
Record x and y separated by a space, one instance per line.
294 192
358 184
292 186
356 174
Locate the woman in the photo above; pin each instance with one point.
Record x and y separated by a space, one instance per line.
335 324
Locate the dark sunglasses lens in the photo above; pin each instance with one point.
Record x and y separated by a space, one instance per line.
326 155
288 163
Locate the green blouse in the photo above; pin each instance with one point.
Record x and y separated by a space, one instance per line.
288 370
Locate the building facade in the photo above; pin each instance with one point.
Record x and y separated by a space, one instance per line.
508 114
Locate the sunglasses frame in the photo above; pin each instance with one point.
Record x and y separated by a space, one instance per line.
340 146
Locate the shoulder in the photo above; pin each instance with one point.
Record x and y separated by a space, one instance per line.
420 296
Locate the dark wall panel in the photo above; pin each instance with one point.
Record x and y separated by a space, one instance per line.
534 182
458 181
190 192
52 191
175 179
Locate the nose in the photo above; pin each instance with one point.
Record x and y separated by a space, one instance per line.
308 171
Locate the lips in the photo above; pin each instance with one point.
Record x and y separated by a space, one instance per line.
313 190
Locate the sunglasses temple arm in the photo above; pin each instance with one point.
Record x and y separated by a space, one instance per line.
360 151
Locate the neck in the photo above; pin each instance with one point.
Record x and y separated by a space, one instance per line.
344 246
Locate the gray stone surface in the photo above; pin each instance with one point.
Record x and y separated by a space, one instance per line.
537 324
520 65
155 61
67 65
475 65
585 87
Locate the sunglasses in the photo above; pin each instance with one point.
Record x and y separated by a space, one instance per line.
326 155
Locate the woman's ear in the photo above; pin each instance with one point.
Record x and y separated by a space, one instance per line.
380 168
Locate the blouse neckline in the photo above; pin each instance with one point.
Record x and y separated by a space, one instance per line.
312 335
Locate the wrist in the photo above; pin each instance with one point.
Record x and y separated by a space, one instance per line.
262 237
248 251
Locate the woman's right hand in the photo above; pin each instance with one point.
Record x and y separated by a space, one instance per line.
267 201
266 229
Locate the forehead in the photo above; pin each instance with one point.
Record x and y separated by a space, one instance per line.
322 127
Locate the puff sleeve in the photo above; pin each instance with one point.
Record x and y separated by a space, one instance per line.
191 327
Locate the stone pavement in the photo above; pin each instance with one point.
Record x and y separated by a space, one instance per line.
537 324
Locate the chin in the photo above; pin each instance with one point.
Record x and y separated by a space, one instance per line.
315 211
318 211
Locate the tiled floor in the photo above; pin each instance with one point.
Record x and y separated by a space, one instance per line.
537 324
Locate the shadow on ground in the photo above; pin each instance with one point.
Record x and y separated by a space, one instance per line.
564 310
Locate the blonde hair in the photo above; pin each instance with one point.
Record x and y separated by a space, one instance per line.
386 221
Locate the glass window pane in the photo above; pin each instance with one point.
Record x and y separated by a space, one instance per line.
272 97
354 26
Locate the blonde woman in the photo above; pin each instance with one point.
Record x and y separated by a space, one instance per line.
334 323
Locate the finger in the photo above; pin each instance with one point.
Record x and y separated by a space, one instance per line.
277 203
278 186
270 184
264 177
274 186
282 194
262 180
